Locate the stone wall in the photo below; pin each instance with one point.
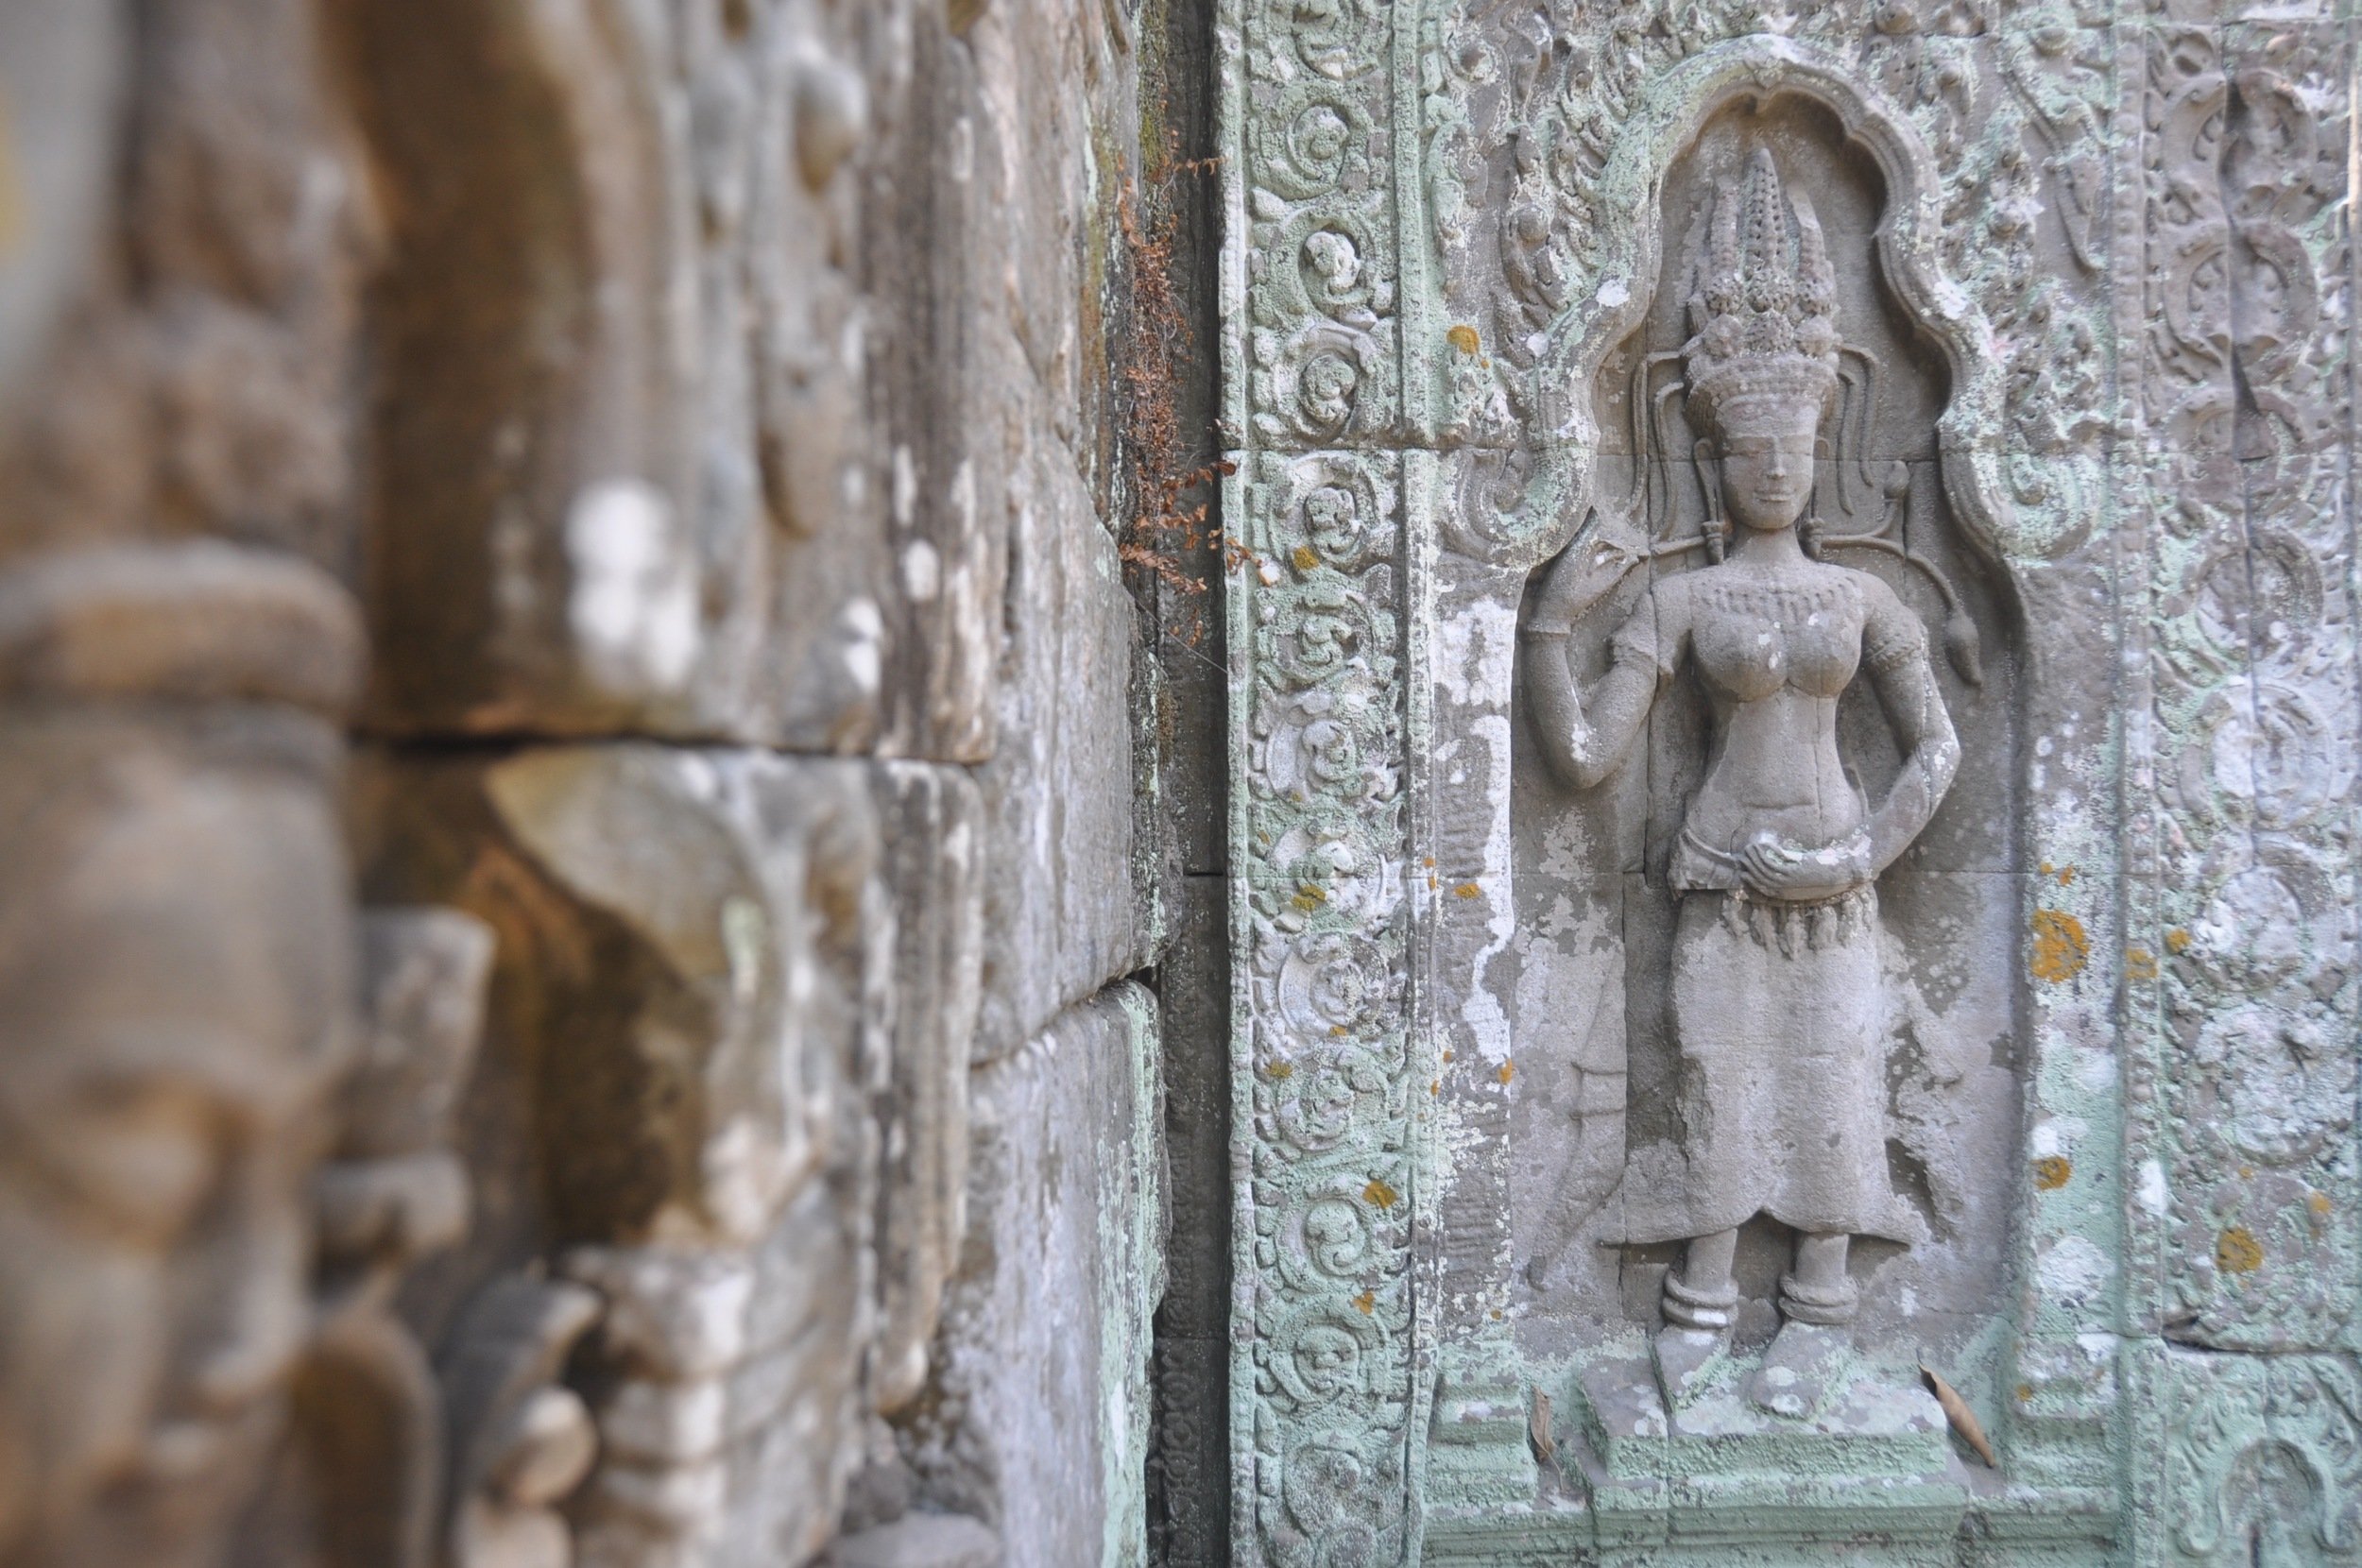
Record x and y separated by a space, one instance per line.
1792 866
574 731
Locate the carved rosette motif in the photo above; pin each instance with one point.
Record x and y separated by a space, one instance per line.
2265 1466
1319 172
1322 1072
2250 968
1322 1376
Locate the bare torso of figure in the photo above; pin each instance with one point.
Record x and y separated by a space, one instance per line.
1774 651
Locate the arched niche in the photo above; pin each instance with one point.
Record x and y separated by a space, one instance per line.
1594 917
1528 520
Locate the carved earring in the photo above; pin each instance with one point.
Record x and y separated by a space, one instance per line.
1710 483
1809 526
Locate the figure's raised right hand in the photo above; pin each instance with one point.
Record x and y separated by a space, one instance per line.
1586 572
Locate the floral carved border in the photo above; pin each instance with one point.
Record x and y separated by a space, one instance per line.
1401 324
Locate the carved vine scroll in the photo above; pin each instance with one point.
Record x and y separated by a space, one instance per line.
2123 236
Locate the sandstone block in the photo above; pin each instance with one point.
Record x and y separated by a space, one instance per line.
1059 897
934 830
1041 1423
920 1540
644 441
1055 190
688 1037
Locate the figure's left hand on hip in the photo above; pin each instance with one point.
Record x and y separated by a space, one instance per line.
1774 868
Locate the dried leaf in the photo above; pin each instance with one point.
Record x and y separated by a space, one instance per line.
1538 1429
1956 1410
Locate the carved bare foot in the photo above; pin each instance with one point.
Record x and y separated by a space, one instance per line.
1797 1370
1697 1322
1686 1360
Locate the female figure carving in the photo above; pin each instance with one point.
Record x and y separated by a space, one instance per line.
1775 988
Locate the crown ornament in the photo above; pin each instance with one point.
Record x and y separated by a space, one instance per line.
1764 344
1763 311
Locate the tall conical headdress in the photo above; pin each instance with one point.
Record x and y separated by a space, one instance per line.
1764 312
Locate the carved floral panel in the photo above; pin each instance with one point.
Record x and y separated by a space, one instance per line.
2086 285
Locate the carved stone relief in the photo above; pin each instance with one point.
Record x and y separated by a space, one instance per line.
171 1059
2252 962
392 1458
520 1441
687 1022
1761 302
636 434
1779 1009
522 529
2073 284
176 665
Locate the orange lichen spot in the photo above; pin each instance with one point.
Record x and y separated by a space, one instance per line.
1447 1058
2140 964
2066 875
1432 881
2177 942
1308 899
1303 557
2317 1202
1366 1301
1508 1070
1435 1085
1279 1072
1380 1196
2238 1252
2051 1172
1430 861
1466 890
2060 948
2025 1393
1338 1031
1464 337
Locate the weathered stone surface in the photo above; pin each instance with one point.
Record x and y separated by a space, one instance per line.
728 455
1059 895
935 832
689 437
1041 1421
2078 283
1056 82
950 391
62 65
920 1540
175 986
